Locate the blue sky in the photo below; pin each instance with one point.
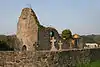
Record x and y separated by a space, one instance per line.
80 16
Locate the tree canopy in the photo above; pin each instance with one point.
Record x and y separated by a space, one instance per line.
66 34
97 39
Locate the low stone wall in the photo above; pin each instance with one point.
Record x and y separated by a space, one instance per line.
94 54
17 59
62 59
48 59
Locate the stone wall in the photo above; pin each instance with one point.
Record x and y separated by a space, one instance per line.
17 59
95 54
44 39
48 59
62 59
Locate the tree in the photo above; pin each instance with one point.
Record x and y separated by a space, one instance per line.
4 46
66 34
97 39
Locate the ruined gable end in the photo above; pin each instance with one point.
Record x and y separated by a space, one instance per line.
27 29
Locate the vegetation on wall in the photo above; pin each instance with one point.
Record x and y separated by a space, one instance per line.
40 27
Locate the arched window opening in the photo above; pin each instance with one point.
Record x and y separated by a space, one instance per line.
51 34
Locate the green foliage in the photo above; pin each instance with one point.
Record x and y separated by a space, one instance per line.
97 39
88 39
40 27
91 39
4 46
92 64
8 43
66 34
3 38
83 65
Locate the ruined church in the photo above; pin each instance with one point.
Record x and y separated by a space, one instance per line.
33 36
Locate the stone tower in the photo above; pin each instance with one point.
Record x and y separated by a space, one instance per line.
27 29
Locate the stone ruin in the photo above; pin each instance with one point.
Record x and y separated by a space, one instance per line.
33 36
27 29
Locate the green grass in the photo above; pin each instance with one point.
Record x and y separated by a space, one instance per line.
83 65
95 64
92 64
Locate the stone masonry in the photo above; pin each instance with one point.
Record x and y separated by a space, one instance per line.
31 35
27 29
48 59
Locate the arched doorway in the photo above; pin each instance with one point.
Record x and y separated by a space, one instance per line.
24 48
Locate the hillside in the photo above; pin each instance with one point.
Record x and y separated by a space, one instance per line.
91 38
